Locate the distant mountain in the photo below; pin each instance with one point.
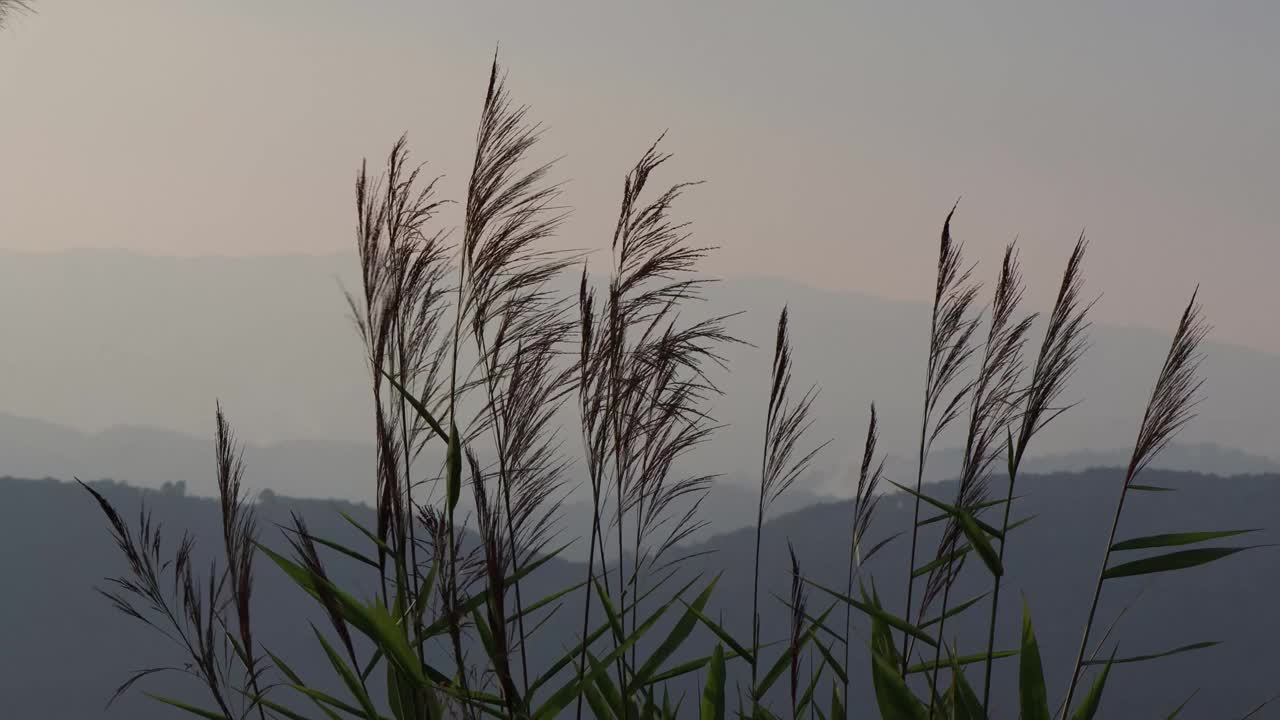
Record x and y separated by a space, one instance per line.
54 549
1205 458
150 458
97 339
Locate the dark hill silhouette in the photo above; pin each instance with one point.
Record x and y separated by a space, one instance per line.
54 549
149 457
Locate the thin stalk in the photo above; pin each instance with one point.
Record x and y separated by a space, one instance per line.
755 597
408 489
915 526
586 609
504 480
995 595
616 351
1093 606
454 629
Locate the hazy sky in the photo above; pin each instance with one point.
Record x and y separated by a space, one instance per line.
833 136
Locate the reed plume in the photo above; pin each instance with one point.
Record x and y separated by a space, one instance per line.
951 333
1063 345
865 500
1171 407
993 408
644 385
786 420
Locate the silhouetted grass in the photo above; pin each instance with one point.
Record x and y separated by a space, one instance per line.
469 346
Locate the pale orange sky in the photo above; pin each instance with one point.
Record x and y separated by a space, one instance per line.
833 136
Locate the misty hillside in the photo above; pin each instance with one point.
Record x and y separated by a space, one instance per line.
127 339
151 458
54 549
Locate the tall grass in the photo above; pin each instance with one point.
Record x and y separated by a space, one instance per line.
471 347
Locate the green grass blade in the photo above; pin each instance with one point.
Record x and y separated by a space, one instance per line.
979 540
332 701
1032 697
877 613
1150 488
1178 710
948 509
565 660
679 633
354 686
353 554
980 506
188 708
712 706
608 691
893 697
684 669
599 708
1089 706
536 606
939 562
831 662
966 704
1153 656
955 610
775 671
296 680
418 407
1179 560
282 710
807 697
963 660
1175 539
474 601
368 534
722 634
567 692
784 658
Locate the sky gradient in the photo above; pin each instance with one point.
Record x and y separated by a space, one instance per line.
833 136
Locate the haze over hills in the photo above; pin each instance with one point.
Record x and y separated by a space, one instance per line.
61 623
151 458
123 339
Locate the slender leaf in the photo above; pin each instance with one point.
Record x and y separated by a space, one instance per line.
1154 656
721 633
354 685
679 633
1178 710
418 407
1032 697
955 610
940 561
948 509
962 660
189 708
1089 706
1179 560
965 701
712 706
893 697
1175 539
876 612
980 542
